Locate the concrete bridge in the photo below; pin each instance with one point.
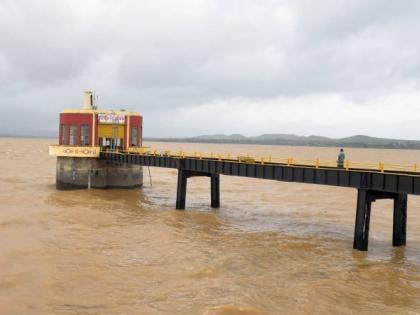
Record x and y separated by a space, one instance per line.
372 184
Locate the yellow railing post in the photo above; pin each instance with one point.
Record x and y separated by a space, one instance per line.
201 155
415 167
381 167
347 164
317 163
269 158
262 161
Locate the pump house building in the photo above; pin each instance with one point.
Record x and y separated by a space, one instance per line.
83 133
104 128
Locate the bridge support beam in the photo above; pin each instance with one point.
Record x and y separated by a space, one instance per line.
364 204
215 190
181 192
361 229
399 232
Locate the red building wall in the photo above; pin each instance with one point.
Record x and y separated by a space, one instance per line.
80 119
77 119
136 121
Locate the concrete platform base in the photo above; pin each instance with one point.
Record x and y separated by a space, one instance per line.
82 173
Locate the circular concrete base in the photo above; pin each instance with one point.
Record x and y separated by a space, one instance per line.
80 173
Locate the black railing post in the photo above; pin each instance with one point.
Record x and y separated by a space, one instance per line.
215 190
361 229
399 232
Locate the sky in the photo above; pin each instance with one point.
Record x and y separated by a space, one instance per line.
330 67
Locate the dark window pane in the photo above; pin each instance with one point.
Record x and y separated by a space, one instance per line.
84 136
134 136
63 134
73 135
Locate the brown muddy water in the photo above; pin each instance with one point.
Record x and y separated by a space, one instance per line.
272 248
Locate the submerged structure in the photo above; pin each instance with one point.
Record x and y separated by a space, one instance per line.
87 131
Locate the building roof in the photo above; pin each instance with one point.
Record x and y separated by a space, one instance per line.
100 111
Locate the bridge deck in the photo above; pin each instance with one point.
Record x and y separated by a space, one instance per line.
387 181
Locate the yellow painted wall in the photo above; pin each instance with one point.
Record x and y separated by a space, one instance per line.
105 131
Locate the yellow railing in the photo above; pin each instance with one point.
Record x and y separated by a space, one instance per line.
291 161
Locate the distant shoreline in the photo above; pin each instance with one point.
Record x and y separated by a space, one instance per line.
28 136
364 142
359 141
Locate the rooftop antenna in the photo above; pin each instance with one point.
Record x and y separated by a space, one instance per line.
95 100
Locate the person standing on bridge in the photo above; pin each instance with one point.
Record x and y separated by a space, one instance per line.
341 158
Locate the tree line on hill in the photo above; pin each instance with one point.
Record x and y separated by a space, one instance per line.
359 141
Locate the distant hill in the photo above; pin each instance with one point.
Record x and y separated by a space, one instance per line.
359 141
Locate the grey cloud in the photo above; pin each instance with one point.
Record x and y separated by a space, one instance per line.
156 56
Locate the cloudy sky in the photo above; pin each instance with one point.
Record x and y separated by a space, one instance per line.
332 68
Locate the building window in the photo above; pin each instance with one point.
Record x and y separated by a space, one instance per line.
84 134
63 134
134 136
73 135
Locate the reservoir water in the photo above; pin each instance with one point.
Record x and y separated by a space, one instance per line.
272 247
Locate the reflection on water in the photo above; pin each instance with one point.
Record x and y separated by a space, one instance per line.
272 248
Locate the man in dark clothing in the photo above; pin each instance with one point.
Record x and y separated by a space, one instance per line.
341 158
